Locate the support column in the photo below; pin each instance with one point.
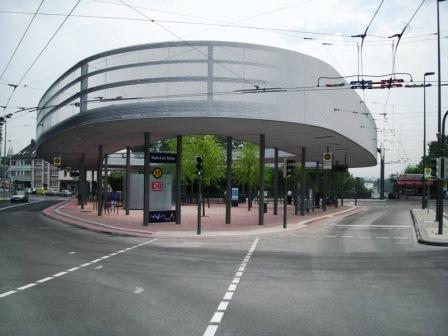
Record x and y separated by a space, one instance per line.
82 180
146 180
275 181
106 179
179 179
128 179
302 183
324 199
229 180
318 185
99 181
261 181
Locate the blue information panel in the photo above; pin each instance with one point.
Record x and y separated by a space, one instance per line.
162 216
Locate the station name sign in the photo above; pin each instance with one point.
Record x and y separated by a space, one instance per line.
163 158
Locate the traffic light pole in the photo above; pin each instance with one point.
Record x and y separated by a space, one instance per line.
285 204
199 204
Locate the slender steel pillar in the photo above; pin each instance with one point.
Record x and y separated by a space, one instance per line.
128 178
318 185
302 183
275 181
146 180
99 181
106 178
229 180
179 179
261 181
82 180
324 199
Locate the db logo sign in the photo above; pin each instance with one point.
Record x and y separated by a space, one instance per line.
157 186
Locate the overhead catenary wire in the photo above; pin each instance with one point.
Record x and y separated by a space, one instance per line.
41 52
21 39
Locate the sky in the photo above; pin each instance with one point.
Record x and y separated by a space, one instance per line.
296 25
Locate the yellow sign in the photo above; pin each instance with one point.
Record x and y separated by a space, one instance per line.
427 172
68 169
157 172
327 156
57 161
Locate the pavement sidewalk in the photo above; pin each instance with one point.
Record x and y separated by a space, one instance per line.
426 228
244 223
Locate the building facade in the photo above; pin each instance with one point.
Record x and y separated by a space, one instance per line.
27 169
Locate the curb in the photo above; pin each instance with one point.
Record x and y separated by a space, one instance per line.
53 212
420 240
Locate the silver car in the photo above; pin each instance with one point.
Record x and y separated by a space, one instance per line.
19 196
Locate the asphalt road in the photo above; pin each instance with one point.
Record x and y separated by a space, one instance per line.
362 275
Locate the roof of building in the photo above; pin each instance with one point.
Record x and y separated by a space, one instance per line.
29 152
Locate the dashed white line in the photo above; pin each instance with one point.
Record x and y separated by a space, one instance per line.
72 269
382 237
5 294
44 279
346 236
217 317
222 307
27 286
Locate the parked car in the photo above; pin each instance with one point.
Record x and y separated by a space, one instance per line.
19 196
52 192
65 193
41 192
28 191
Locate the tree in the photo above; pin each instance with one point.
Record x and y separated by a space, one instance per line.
413 169
212 153
115 180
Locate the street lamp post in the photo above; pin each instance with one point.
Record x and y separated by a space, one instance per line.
424 201
439 138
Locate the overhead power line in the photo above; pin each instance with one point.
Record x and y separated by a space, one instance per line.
42 51
21 39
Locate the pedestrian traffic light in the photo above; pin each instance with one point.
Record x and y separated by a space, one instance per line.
199 167
290 165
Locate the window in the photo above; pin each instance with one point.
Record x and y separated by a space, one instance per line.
38 183
38 172
13 162
38 162
54 172
13 173
54 184
27 162
27 172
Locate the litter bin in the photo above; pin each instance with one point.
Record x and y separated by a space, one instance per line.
265 207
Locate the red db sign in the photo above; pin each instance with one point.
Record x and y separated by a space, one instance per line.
157 186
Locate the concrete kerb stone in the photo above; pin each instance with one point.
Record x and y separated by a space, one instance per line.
55 212
93 225
422 235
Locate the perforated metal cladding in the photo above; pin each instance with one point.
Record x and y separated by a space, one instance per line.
203 72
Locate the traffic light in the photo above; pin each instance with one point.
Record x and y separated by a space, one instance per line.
362 84
290 165
199 167
390 83
436 167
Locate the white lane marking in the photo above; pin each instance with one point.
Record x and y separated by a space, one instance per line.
382 237
330 236
105 257
400 237
72 252
222 307
217 317
211 330
44 279
95 261
114 254
346 236
232 288
72 269
228 296
138 290
27 286
5 294
13 206
99 267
